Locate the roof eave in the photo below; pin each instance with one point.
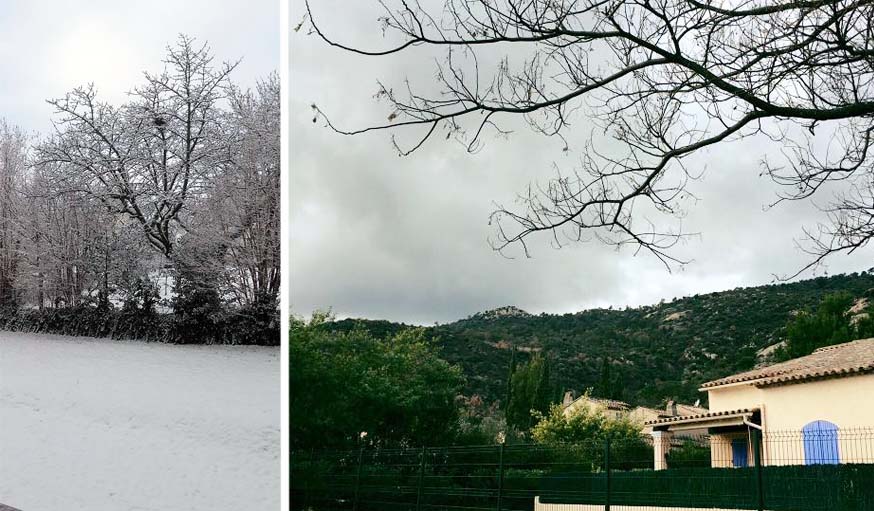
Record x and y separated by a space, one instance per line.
708 387
773 381
721 419
712 417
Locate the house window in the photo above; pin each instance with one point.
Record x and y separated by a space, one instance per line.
739 453
820 443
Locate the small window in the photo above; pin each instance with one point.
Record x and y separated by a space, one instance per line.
739 453
820 443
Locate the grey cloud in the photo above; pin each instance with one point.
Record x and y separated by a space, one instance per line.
405 239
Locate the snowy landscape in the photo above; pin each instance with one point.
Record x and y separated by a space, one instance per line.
140 259
93 425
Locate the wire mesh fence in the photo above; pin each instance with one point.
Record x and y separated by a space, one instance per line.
742 469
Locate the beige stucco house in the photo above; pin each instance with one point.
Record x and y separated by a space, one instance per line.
615 410
805 410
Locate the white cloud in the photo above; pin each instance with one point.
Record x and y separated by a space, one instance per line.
51 46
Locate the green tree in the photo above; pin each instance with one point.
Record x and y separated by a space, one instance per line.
865 324
510 370
579 438
610 385
397 390
529 390
605 384
830 324
618 386
582 425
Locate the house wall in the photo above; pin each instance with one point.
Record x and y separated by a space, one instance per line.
843 401
725 399
642 414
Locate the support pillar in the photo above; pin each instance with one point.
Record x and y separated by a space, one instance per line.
661 444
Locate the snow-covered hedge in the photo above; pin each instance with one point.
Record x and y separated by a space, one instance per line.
238 326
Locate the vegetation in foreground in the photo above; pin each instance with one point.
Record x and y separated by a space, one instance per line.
652 353
352 388
500 375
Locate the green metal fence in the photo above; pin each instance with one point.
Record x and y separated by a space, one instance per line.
596 473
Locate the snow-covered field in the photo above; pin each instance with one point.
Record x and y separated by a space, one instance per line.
98 425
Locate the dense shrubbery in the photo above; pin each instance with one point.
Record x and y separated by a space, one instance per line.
690 454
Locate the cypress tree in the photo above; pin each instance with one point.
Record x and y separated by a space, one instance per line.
511 369
618 387
530 389
605 386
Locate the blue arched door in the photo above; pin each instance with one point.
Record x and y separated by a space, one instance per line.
820 443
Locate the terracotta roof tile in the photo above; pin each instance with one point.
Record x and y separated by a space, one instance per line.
855 357
708 415
690 409
612 403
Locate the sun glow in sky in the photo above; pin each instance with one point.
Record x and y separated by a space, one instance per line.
50 47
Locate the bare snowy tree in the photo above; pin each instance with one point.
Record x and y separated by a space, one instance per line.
13 157
663 78
67 241
246 199
232 237
147 158
180 183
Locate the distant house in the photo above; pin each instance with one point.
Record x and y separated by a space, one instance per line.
611 408
644 415
804 408
614 409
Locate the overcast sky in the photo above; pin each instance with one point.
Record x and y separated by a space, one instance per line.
48 47
379 236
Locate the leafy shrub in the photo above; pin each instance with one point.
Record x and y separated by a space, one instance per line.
689 454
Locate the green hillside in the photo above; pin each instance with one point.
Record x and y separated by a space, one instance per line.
658 352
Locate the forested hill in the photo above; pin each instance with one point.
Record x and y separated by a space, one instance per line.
656 352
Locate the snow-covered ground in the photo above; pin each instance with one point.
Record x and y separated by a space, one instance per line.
98 425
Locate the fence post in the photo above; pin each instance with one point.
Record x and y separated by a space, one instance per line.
757 456
421 478
358 479
607 469
500 475
306 490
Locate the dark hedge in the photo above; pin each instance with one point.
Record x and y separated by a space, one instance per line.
251 326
